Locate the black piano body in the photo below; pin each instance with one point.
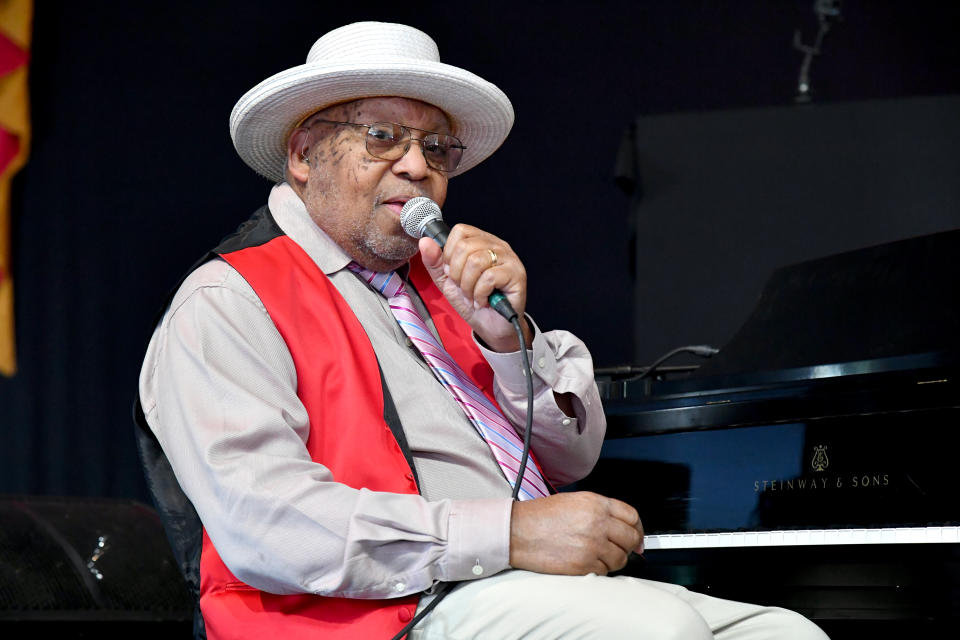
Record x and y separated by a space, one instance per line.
813 463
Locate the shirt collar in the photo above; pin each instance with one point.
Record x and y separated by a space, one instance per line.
291 215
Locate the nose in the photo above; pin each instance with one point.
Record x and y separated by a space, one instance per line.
413 164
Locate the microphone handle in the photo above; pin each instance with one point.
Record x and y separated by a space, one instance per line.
498 301
437 230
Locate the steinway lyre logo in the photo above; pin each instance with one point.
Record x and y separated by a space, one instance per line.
820 461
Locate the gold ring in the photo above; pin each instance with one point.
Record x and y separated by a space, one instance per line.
493 257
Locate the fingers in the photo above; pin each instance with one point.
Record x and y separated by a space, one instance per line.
639 547
623 511
479 262
432 256
633 540
625 533
624 536
613 558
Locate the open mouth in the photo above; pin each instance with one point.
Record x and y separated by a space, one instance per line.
395 203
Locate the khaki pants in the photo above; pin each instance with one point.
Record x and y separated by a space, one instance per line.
521 604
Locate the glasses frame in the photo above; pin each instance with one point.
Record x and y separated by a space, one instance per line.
406 134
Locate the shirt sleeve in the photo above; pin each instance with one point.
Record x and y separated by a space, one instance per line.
218 388
567 447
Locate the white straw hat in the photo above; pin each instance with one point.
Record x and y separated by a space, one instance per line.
363 60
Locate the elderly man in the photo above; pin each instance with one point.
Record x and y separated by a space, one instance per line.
344 410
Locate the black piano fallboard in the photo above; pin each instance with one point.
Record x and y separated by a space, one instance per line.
864 471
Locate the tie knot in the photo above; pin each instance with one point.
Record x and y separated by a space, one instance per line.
388 283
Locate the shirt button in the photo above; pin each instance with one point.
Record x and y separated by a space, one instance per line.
565 421
541 363
399 587
404 614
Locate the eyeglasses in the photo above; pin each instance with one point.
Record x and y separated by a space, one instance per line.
391 141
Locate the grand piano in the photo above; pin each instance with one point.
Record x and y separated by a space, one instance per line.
812 462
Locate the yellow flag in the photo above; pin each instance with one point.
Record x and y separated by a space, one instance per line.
16 17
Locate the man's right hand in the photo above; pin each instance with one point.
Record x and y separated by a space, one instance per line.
573 534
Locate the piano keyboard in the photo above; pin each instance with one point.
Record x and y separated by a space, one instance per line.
787 538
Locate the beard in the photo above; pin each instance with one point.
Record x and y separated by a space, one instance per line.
389 247
370 233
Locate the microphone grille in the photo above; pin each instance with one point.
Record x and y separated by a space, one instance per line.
416 213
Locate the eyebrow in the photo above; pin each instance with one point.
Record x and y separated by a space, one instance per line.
307 123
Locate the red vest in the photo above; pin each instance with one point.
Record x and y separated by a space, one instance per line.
341 391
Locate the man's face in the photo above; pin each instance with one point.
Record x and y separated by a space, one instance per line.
356 198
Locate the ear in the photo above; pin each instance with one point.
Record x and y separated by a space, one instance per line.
297 149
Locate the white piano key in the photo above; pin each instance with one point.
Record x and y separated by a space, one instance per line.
914 535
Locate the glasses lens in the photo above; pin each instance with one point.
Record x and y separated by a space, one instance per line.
387 140
442 152
391 141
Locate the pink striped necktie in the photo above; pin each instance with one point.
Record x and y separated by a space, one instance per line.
506 445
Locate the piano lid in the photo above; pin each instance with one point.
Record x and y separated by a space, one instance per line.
893 300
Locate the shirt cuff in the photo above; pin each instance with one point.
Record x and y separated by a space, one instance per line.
508 367
478 539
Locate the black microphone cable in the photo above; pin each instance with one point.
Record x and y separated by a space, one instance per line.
444 589
528 428
702 350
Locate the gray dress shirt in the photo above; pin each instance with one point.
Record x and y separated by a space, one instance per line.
218 388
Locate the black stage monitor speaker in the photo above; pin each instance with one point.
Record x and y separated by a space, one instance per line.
89 567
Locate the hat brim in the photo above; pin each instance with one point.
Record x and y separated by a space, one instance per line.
264 117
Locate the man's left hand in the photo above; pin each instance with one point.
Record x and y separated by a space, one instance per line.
470 266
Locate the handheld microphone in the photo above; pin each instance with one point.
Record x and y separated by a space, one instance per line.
421 217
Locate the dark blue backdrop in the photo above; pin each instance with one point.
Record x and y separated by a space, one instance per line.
132 174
